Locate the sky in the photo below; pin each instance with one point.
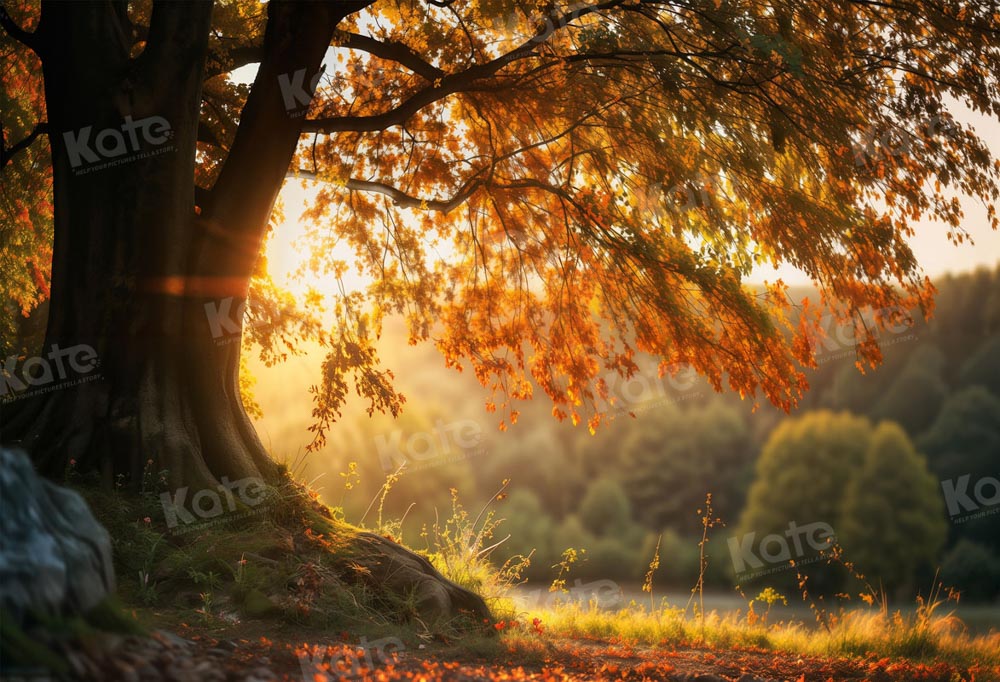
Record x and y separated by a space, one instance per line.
930 243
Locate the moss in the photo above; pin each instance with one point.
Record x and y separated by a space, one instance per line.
256 604
110 616
292 562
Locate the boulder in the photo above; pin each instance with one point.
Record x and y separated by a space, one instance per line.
55 558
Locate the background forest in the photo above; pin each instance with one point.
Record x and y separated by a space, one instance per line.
865 454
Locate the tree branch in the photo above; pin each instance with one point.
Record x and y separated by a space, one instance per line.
202 196
41 128
401 198
177 36
227 62
208 136
408 201
450 84
393 51
31 40
296 38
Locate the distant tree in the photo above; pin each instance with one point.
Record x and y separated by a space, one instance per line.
965 437
530 529
964 441
851 390
974 568
421 443
679 566
571 533
926 356
893 524
680 454
801 476
536 460
803 471
605 508
962 315
983 368
913 399
991 309
976 295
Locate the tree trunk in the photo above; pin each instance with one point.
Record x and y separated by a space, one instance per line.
139 277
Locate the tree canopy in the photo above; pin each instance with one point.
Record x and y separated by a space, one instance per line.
546 189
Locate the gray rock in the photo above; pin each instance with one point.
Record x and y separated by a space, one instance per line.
55 558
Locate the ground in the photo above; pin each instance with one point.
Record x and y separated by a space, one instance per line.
284 596
261 651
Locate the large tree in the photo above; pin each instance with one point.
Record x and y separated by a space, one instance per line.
544 189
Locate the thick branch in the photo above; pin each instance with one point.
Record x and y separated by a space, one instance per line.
27 38
401 198
230 60
208 136
177 36
202 196
295 41
393 51
459 82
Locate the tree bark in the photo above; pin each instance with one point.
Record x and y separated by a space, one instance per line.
138 275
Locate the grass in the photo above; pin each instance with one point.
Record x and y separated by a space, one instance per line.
286 564
856 633
927 635
460 548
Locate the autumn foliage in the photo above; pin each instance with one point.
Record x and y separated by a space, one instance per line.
547 189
